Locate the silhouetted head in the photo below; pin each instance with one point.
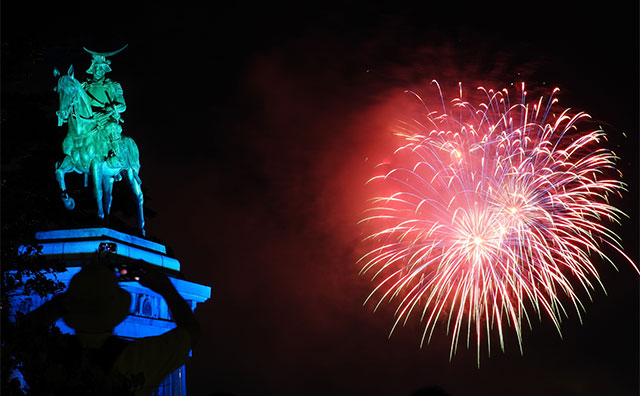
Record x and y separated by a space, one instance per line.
94 303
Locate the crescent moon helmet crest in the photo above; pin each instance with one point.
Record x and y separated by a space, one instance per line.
100 59
105 54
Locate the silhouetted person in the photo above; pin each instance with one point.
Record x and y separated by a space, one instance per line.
94 361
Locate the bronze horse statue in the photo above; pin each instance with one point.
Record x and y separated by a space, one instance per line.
88 149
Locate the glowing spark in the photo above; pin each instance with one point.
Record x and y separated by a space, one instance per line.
493 211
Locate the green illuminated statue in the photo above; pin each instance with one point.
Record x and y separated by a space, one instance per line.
94 144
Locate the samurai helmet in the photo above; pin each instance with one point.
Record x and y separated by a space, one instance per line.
100 59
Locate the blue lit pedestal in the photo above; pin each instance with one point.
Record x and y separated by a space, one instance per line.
148 314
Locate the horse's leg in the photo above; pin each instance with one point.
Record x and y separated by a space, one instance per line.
107 185
134 182
96 176
61 169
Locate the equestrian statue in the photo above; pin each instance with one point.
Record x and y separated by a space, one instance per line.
94 144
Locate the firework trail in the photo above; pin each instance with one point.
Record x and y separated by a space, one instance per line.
492 213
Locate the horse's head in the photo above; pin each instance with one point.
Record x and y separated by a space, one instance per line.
67 90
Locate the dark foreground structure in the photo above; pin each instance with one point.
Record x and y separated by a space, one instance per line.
149 314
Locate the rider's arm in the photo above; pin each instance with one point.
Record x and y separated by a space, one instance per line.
118 98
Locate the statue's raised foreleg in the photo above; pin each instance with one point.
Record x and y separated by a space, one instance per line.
135 183
63 168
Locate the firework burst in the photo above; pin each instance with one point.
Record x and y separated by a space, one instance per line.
492 213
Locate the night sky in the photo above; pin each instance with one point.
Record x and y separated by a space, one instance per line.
258 126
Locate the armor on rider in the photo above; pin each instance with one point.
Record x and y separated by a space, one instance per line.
107 101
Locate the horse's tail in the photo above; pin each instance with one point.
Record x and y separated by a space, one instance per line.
132 157
130 154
